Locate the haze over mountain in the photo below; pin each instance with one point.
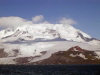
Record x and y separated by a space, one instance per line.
84 12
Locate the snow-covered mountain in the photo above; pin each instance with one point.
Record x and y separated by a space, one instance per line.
40 32
28 44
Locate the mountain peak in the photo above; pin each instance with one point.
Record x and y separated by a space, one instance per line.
45 31
77 48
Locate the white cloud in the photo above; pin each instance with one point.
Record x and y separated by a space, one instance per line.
67 21
13 21
38 19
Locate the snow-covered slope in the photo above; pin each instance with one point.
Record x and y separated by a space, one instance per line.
37 51
45 32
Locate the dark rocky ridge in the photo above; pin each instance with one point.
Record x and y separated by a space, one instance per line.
85 38
63 57
3 53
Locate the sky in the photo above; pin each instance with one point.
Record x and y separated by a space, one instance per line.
83 14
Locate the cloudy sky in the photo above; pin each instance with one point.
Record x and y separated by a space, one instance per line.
82 14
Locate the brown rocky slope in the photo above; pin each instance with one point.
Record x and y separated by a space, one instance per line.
74 55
